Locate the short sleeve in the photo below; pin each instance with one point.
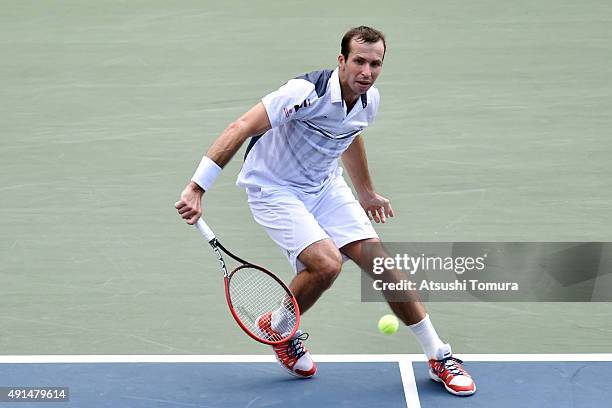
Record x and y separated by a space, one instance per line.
290 101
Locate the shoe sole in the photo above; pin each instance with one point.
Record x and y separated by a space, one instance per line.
293 373
458 393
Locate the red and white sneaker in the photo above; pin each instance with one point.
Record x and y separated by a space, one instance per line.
448 370
291 355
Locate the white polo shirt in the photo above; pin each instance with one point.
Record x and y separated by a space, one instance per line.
310 131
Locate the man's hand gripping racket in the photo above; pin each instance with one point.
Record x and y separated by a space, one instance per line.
262 305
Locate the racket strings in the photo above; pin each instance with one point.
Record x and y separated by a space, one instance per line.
262 304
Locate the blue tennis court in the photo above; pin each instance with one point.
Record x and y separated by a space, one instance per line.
342 381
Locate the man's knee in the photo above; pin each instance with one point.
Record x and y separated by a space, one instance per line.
324 262
328 269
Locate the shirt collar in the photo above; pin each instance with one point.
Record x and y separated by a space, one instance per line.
336 91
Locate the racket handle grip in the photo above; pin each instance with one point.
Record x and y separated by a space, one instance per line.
205 230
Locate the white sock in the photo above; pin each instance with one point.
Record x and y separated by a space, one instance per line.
282 320
427 337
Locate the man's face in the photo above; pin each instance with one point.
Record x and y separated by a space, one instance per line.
362 67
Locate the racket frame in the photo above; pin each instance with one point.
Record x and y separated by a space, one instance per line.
227 276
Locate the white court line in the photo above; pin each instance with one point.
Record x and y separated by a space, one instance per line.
536 357
409 382
267 358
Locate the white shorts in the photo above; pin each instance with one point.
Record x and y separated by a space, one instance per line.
295 220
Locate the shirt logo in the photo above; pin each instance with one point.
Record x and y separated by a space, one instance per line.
304 104
291 110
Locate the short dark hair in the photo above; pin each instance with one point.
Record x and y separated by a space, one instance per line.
363 34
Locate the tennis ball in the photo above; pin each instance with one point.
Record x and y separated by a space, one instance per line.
388 324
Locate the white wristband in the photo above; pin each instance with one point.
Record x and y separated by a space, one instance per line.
206 173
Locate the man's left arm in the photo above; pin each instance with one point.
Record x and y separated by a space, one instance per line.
377 207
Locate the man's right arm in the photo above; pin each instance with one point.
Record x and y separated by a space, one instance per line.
254 122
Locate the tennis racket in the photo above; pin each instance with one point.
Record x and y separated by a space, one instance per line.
262 305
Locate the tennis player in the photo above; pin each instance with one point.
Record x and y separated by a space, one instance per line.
297 193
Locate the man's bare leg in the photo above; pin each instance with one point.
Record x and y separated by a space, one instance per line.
411 309
406 305
323 263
